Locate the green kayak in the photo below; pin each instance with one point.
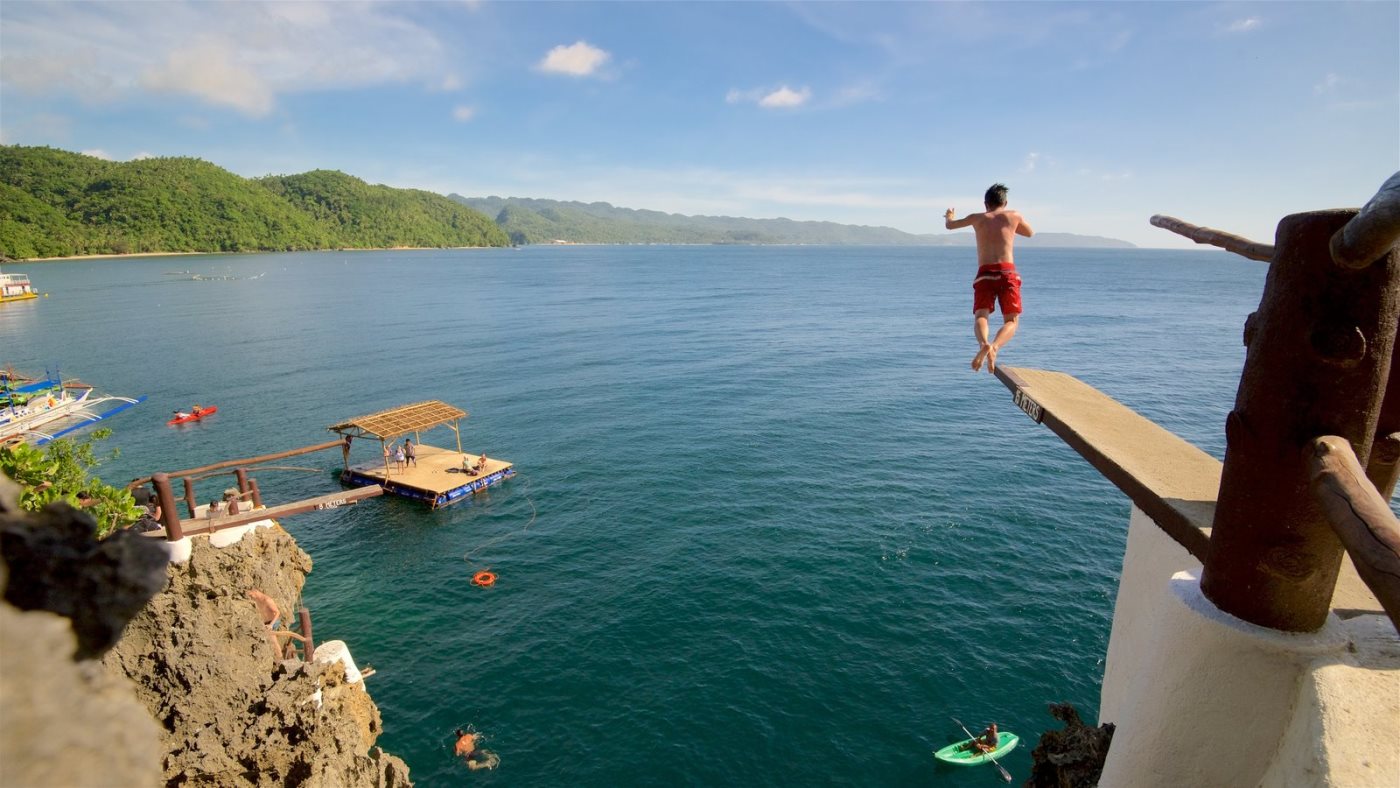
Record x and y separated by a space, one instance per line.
1006 742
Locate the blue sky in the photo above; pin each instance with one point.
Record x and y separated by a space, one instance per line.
1097 115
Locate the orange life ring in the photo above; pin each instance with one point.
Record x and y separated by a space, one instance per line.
485 578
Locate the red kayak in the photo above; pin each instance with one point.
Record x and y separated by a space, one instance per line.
195 416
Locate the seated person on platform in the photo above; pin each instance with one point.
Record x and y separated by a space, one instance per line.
987 742
476 758
467 466
480 464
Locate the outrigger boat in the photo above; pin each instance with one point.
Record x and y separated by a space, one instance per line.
16 287
438 477
59 408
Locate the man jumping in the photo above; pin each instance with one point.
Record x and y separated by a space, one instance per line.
997 281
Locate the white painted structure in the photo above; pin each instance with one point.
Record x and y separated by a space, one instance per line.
1202 698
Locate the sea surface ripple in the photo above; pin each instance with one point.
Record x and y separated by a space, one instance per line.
768 527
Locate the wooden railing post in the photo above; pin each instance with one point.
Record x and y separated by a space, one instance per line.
169 516
308 646
1319 355
257 494
242 475
190 502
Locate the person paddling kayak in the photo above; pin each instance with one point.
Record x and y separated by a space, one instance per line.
986 742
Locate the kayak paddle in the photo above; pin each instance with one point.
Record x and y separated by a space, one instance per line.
1005 775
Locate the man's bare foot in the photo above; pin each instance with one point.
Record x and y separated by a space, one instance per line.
980 357
992 358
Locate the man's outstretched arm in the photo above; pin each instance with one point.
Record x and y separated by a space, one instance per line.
1022 228
956 224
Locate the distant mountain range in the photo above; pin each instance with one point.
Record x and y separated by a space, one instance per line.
55 203
533 221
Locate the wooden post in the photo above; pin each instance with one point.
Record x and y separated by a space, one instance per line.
242 475
1319 351
257 494
308 647
190 502
1361 519
169 517
345 455
456 427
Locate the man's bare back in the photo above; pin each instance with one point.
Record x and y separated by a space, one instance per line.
996 234
996 230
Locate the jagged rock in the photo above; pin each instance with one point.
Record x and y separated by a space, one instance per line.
1071 757
58 564
232 713
68 722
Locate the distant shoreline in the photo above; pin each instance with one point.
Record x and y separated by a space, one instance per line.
266 251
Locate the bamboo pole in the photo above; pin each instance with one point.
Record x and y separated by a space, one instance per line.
1360 516
1369 236
308 646
250 461
1206 235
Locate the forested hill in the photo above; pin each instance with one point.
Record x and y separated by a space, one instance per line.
531 221
56 203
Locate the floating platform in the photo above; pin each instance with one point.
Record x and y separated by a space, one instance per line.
436 479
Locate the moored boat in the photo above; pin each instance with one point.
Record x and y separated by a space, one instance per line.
16 287
37 411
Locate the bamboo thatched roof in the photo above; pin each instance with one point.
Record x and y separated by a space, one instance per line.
398 421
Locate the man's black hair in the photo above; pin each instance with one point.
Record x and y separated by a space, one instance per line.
996 196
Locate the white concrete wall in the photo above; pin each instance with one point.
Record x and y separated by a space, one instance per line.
1202 698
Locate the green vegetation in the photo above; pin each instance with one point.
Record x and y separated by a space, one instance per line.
364 216
61 471
56 203
530 221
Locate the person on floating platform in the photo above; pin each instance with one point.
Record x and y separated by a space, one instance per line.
386 457
398 457
410 453
986 742
997 281
476 757
481 463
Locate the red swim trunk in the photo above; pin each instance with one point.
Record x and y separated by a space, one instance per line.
997 283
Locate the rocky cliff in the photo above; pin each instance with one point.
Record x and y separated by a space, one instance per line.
192 692
232 713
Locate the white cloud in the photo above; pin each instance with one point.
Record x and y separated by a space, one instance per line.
782 97
212 71
1327 85
1244 25
1032 159
579 59
98 153
241 56
463 113
785 97
143 155
450 82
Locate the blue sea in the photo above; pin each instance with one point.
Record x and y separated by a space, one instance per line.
768 527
